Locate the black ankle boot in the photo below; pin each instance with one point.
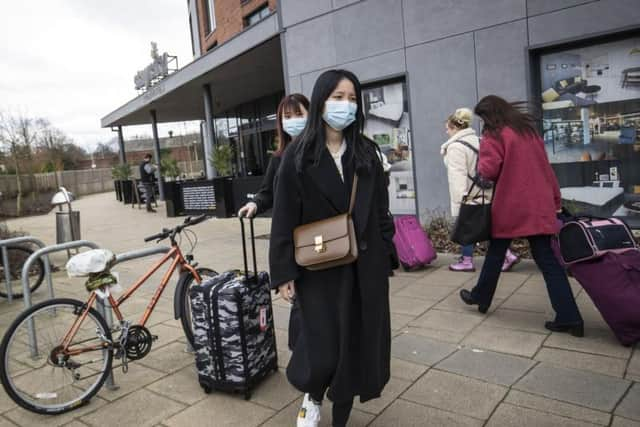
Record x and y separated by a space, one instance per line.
574 328
468 299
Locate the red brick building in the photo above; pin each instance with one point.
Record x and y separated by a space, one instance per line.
219 20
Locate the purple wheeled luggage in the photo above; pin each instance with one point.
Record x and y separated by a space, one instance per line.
613 283
412 243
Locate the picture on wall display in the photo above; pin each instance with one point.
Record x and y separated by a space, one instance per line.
386 111
591 126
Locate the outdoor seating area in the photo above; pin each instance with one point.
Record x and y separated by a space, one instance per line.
450 364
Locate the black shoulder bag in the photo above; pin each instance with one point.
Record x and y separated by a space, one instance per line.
473 224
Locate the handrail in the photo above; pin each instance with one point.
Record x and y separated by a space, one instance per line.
4 244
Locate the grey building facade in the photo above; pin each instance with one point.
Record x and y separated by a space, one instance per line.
449 53
419 60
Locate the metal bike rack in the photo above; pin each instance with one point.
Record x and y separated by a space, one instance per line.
4 244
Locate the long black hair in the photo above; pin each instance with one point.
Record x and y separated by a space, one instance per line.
311 142
497 113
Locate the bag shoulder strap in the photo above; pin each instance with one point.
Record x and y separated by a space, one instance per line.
466 144
354 187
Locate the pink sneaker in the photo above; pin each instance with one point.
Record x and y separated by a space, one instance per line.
510 260
465 263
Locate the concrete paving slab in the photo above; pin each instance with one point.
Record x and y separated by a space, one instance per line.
426 292
408 414
74 423
169 358
420 350
630 405
582 388
409 306
400 321
519 320
514 416
181 386
287 417
595 341
140 408
445 278
281 317
138 376
394 388
504 340
496 368
275 392
623 422
455 393
406 370
453 337
224 410
532 303
5 422
587 362
26 418
5 402
447 321
634 363
550 406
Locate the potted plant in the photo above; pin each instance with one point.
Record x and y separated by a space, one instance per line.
221 161
169 168
122 181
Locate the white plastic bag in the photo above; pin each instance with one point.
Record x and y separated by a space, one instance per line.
93 261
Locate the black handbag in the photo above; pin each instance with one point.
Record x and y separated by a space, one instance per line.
473 224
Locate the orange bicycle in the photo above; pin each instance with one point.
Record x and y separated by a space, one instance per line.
57 354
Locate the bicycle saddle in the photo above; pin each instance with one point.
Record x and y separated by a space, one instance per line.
90 262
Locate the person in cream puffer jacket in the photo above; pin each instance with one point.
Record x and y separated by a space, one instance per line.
460 160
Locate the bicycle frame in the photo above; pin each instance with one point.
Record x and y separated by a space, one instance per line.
177 260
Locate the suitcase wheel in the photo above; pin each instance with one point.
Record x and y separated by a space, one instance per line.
207 389
247 395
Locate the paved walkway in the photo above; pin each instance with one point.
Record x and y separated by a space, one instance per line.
451 366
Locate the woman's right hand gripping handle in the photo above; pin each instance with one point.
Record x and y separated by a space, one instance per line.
288 291
248 211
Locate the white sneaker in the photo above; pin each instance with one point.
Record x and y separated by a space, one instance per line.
309 413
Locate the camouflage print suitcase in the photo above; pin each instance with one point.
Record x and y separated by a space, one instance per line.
234 336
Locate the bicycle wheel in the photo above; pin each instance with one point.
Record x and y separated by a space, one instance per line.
43 379
186 302
17 257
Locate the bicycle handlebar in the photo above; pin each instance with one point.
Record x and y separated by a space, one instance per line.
172 232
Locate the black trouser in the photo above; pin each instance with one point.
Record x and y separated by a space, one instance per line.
558 287
148 194
340 411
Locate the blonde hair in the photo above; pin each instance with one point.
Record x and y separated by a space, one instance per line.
461 118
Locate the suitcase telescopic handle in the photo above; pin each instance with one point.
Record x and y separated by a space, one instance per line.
244 248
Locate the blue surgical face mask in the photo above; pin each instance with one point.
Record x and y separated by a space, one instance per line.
339 114
294 126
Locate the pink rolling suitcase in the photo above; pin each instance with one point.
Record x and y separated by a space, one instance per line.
414 247
612 281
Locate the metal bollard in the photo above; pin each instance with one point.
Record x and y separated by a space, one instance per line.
108 317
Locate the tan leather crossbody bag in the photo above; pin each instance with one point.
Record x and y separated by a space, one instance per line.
329 242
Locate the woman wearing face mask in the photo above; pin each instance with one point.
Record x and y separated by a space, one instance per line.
291 120
343 346
460 155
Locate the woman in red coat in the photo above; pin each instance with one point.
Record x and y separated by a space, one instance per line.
525 204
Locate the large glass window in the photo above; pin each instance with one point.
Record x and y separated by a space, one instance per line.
591 126
257 16
210 11
386 111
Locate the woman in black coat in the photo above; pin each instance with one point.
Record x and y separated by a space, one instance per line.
291 120
344 339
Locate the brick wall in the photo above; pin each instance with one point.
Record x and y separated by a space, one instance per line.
230 16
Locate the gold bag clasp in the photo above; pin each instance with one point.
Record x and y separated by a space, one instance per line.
319 247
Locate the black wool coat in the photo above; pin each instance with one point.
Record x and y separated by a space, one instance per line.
344 335
264 197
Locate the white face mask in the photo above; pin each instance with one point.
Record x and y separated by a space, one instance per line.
294 126
339 114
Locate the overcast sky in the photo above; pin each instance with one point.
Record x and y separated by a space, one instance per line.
73 61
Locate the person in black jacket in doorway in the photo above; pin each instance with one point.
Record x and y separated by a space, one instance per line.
147 170
343 346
